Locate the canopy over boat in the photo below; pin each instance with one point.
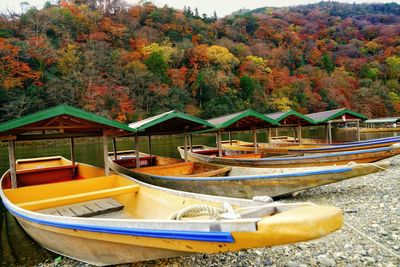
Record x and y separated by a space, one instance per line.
59 122
342 114
171 122
242 121
290 118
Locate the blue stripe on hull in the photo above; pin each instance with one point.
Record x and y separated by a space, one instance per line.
222 237
254 177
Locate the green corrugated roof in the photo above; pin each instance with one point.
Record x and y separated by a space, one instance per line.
279 116
230 122
325 116
171 122
58 111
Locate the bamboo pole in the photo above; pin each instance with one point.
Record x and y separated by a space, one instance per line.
255 141
105 155
219 145
137 151
72 149
13 168
115 148
358 131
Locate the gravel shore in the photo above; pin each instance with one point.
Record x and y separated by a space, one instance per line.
370 236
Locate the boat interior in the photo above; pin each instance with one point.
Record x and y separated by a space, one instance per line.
187 169
93 195
48 170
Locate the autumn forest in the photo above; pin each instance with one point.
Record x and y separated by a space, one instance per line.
131 62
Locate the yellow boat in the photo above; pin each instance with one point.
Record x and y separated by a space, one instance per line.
99 217
113 219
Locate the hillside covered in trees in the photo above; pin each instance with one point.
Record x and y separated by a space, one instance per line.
130 62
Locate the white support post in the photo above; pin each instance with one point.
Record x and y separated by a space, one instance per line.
105 155
330 132
230 138
137 151
358 131
11 156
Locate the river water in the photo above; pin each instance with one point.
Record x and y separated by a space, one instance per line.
18 249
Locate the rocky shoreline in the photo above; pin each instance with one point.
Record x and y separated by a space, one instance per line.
370 236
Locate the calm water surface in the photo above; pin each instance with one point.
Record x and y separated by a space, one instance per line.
17 248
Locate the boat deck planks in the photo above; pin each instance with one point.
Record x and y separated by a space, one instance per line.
86 209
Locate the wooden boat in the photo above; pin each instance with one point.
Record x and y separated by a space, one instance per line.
240 147
76 211
243 182
126 161
206 154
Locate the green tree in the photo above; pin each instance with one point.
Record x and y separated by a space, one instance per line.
157 65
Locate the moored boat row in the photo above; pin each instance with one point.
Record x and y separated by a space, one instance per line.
168 207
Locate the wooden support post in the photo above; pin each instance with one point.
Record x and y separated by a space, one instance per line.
330 132
149 145
326 134
269 137
13 168
299 134
219 145
230 138
137 151
105 155
185 135
295 134
72 149
255 141
358 131
114 148
276 136
191 142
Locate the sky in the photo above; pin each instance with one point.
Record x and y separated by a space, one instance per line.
221 7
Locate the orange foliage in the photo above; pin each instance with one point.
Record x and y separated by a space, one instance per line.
13 72
178 76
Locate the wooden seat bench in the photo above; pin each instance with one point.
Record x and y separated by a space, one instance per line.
76 198
86 209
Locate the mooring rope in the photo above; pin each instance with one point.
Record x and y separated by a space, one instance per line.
390 251
198 210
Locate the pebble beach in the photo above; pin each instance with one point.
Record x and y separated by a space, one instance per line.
370 235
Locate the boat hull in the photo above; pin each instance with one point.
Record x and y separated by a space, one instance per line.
144 228
95 250
239 147
328 159
250 184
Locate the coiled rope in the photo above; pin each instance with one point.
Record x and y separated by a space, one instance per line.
199 210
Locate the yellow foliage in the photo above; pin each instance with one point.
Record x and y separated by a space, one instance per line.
165 50
69 59
281 103
221 56
259 62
